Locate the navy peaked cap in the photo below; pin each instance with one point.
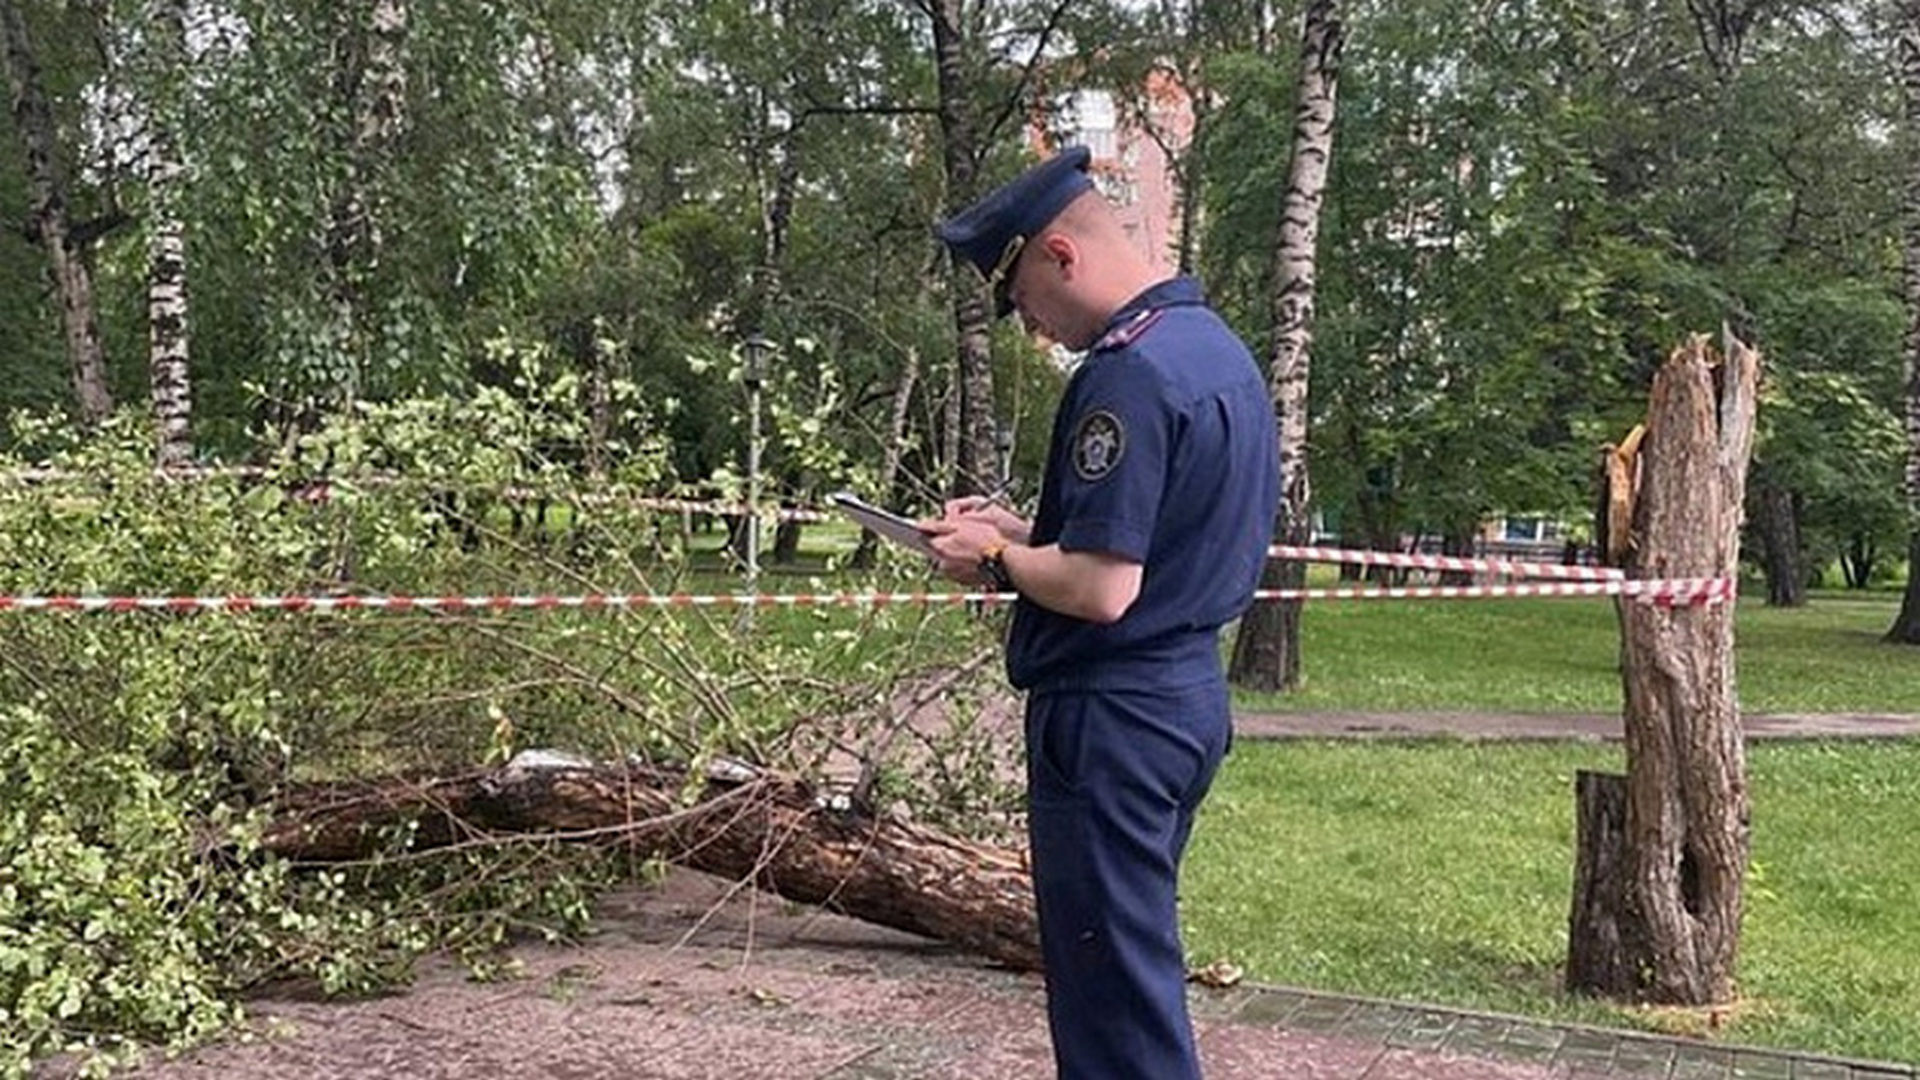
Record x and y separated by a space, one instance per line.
990 233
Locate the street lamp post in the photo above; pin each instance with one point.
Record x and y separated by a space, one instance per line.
758 355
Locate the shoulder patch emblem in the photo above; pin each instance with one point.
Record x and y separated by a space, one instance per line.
1098 443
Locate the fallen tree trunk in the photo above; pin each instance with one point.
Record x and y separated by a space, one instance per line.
765 827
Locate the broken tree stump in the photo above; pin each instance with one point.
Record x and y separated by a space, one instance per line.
1662 853
761 826
1594 951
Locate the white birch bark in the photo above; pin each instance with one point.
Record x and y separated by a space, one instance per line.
373 79
1267 649
1906 626
168 337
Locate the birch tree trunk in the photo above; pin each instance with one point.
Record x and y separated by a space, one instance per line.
1191 178
1663 852
371 82
167 329
1266 651
970 430
49 218
1906 625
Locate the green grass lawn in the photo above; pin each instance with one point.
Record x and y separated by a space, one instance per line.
1562 655
1531 655
1443 873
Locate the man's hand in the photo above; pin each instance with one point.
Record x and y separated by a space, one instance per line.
959 542
989 509
1090 585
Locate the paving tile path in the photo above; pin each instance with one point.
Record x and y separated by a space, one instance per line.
693 981
697 980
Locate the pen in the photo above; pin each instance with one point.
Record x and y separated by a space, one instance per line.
999 496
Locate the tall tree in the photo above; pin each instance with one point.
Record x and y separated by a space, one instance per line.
1906 625
64 241
168 339
370 88
1266 652
975 113
969 431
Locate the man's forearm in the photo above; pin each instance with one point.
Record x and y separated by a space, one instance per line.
1084 584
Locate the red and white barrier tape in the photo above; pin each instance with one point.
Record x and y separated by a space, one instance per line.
1512 567
1686 591
591 601
1683 592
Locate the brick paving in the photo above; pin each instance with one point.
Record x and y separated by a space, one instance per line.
695 981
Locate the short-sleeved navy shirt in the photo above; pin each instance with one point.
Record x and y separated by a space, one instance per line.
1164 453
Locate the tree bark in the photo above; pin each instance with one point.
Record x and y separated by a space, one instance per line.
1857 558
786 542
370 83
1595 952
970 411
49 218
758 826
1192 179
1782 553
1266 651
169 343
1666 929
168 339
1906 625
1458 542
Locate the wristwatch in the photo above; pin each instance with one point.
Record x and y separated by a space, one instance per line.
994 568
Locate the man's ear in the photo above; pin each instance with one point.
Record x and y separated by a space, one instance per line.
1061 250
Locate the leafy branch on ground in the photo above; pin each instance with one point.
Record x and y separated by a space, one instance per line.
143 752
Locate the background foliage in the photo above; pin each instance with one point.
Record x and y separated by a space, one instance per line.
521 249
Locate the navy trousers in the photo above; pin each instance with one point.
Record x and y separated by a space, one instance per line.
1113 779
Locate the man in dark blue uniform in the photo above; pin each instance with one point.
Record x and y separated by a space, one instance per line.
1155 515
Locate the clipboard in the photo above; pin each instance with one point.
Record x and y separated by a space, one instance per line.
898 529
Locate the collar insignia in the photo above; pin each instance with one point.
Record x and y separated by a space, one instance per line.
1130 331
